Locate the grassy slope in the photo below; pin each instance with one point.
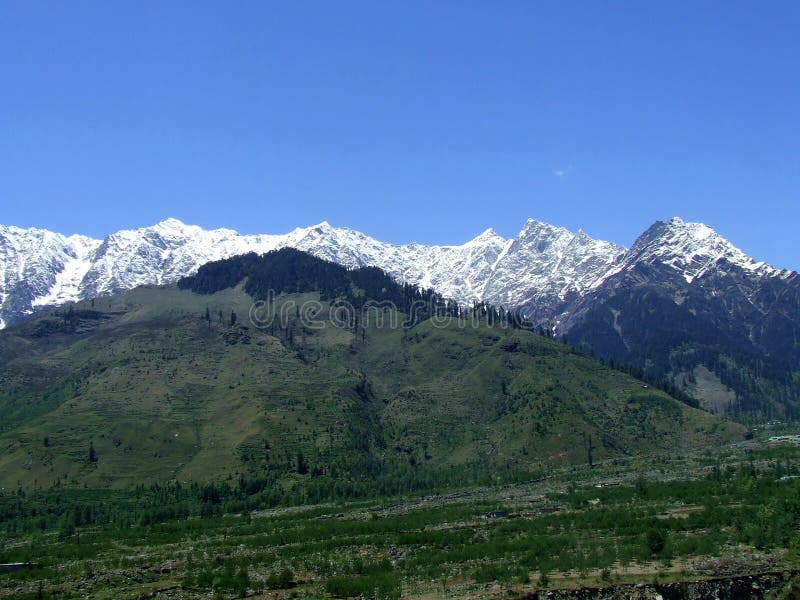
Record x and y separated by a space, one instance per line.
163 395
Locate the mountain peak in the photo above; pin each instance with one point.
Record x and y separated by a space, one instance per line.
536 224
695 230
690 248
171 222
174 226
487 237
540 230
319 228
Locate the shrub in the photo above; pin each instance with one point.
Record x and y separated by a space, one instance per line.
280 581
381 586
655 539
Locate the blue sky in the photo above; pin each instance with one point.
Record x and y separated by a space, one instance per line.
414 121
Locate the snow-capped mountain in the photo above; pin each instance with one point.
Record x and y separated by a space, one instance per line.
37 265
692 249
544 265
685 305
690 265
39 268
545 270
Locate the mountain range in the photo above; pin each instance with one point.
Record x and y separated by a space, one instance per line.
40 268
682 302
538 270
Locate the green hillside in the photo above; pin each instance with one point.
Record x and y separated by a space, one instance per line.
167 384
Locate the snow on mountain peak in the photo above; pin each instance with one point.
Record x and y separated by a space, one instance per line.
490 236
690 248
170 223
35 267
546 263
533 227
538 270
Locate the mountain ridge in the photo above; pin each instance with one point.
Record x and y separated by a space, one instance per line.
537 270
71 268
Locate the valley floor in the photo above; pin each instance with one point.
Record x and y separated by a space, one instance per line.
625 529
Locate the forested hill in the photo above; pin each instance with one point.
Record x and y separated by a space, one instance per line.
164 384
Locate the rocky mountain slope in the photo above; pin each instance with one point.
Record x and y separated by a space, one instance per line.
686 303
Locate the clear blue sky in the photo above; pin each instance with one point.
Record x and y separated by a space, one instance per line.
410 121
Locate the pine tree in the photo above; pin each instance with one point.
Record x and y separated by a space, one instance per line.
302 465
